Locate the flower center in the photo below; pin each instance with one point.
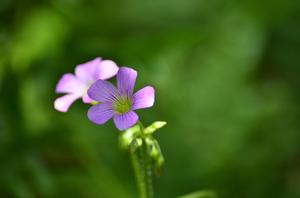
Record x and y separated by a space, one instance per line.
122 105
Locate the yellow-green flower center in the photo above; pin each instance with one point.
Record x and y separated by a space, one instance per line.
122 105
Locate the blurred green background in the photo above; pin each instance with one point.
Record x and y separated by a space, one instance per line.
227 78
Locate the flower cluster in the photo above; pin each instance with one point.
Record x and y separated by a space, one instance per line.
90 83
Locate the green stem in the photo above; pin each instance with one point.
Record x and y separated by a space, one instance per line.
142 168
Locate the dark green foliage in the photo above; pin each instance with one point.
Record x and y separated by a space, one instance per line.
227 78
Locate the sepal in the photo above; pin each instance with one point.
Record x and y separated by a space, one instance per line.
155 154
130 137
137 137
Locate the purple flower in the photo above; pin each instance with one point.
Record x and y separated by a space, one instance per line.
76 86
119 103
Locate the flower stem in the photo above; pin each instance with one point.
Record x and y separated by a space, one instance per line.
142 167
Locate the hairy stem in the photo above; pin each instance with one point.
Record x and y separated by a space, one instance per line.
142 167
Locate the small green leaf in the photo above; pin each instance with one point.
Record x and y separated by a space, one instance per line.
154 126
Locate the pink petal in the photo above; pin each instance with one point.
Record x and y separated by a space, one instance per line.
126 80
107 69
87 72
86 98
68 84
101 113
63 103
144 98
125 121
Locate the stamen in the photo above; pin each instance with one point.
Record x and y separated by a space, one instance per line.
122 105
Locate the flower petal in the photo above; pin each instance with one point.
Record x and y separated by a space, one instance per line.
103 91
63 103
107 69
126 80
144 98
101 113
68 84
125 121
87 72
86 98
